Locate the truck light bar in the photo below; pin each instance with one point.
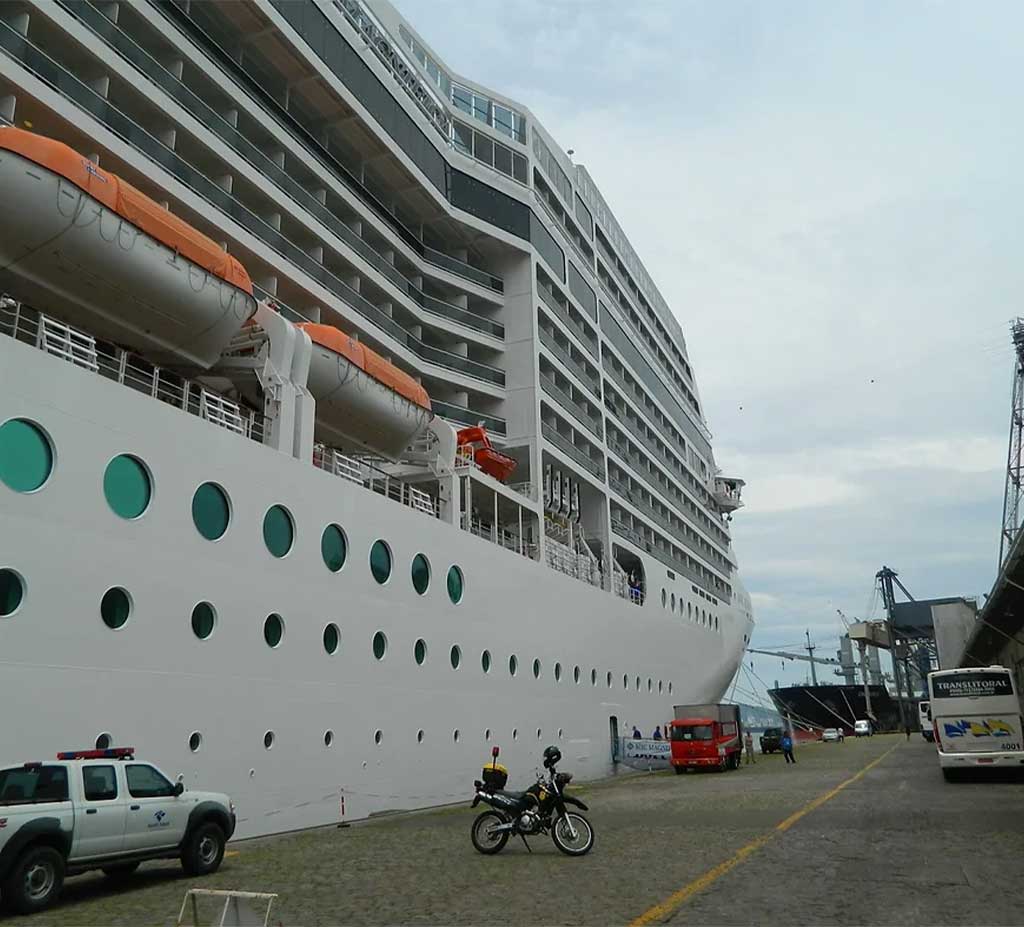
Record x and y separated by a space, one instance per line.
113 753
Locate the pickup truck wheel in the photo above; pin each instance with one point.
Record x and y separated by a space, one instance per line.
203 850
120 872
35 881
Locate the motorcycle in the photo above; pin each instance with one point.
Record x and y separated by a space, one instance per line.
541 809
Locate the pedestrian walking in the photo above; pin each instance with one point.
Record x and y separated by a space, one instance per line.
748 746
787 748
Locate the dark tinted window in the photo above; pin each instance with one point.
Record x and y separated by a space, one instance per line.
484 202
100 783
694 732
46 783
966 685
503 159
483 148
146 782
582 291
519 165
547 247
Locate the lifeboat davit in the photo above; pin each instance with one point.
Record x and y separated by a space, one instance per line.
88 246
488 458
361 398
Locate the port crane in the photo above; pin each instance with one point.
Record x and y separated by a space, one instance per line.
810 658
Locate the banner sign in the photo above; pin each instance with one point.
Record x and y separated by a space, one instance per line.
646 754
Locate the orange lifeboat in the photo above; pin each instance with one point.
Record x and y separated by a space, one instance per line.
87 245
362 399
488 458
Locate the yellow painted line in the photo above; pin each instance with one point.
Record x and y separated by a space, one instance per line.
676 900
232 852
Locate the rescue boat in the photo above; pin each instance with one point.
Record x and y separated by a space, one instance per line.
488 458
361 398
87 244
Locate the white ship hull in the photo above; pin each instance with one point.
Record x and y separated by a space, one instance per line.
153 683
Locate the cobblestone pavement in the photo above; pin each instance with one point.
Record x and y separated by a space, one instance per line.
899 845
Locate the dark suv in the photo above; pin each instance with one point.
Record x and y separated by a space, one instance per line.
771 739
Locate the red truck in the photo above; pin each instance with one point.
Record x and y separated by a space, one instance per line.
706 737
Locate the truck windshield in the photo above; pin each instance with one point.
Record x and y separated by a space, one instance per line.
24 786
692 732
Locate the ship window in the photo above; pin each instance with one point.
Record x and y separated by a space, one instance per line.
455 656
539 733
659 687
487 735
211 511
204 619
513 665
637 683
127 486
670 688
455 735
419 651
332 638
650 685
26 455
278 530
576 675
625 681
609 679
115 607
559 733
333 548
593 677
328 738
273 630
558 672
536 669
455 584
515 733
485 661
268 740
380 561
378 736
12 591
664 597
673 603
419 736
420 573
380 645
195 741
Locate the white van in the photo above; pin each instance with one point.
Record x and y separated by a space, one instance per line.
862 728
924 716
977 718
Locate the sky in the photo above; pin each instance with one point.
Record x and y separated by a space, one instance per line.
828 196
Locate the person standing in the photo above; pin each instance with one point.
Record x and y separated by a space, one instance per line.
787 747
748 746
657 733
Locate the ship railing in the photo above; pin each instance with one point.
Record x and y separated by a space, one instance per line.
367 474
510 540
563 559
77 347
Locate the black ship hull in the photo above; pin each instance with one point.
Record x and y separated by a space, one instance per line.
836 706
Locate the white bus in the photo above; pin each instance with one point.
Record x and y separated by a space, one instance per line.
976 717
924 716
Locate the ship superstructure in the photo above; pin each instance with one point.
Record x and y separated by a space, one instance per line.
436 475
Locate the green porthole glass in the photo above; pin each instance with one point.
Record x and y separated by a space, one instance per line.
536 669
332 638
127 486
211 511
558 672
380 645
273 630
278 530
455 585
456 656
115 607
513 665
420 651
420 573
380 561
333 548
26 457
204 619
485 661
12 591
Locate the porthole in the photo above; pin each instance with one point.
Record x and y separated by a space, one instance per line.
538 733
487 735
485 661
420 573
195 741
513 665
332 638
419 736
26 455
455 656
115 608
515 733
419 651
456 735
609 679
559 733
380 561
104 741
637 683
536 669
273 630
328 738
670 688
593 677
576 675
650 685
673 603
268 740
625 681
378 736
12 592
333 548
278 530
689 610
455 585
659 687
204 620
211 511
380 645
558 672
664 596
127 486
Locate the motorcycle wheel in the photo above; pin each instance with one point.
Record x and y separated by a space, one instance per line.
484 841
582 844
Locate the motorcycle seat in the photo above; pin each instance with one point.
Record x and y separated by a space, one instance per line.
517 796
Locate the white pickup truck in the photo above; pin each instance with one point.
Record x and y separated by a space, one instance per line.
100 809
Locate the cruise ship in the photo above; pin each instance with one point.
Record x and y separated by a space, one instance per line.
343 434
